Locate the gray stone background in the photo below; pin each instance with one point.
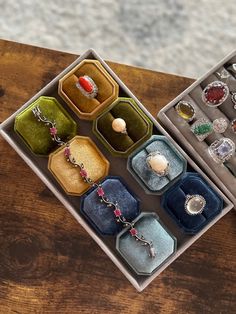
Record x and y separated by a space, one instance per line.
176 36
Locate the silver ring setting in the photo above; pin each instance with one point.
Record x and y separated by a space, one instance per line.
158 163
220 125
233 125
185 110
87 86
194 204
233 98
201 128
119 125
222 150
215 93
223 74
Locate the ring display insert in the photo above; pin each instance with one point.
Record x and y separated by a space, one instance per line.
209 138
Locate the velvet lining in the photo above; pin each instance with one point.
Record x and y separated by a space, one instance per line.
88 108
36 134
149 180
136 254
173 202
102 217
85 151
139 127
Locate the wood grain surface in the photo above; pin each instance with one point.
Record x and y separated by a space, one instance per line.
49 264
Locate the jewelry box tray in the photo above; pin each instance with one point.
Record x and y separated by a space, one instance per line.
225 180
149 203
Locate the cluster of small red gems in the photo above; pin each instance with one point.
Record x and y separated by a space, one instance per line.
67 152
53 131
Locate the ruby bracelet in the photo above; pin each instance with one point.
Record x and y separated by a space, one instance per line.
100 191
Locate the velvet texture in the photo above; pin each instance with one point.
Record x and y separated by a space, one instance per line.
137 255
139 127
36 134
88 108
173 202
102 217
148 179
84 150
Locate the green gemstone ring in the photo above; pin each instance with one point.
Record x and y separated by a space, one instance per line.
201 128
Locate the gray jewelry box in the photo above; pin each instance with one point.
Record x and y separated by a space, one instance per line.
180 129
149 203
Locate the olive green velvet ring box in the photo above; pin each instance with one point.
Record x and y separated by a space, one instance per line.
88 108
35 134
138 125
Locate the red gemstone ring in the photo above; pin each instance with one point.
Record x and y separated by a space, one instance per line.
87 86
215 93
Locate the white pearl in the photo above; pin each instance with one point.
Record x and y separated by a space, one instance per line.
119 125
158 163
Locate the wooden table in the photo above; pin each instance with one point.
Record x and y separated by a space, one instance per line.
49 264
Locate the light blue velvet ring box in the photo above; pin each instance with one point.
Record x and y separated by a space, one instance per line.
174 199
148 179
100 216
136 254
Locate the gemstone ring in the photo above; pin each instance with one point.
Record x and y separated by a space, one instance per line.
233 98
222 150
232 69
201 128
220 125
215 93
223 74
185 110
194 204
158 163
87 86
233 125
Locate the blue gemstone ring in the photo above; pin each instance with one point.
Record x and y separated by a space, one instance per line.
222 150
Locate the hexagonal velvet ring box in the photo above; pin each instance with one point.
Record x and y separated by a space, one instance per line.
85 107
138 127
36 134
102 217
151 182
85 151
137 255
174 202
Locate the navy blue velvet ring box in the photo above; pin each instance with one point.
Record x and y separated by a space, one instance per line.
99 215
173 202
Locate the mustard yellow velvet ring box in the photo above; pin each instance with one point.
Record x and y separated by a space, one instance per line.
85 152
88 108
35 134
138 127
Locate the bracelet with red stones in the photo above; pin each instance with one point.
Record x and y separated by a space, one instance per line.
52 125
100 192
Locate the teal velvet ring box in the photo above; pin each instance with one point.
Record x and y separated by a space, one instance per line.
163 241
148 179
139 127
